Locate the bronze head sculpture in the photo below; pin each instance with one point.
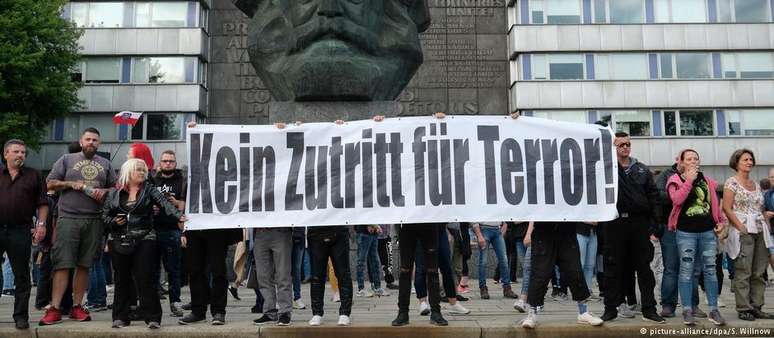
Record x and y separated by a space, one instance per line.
335 50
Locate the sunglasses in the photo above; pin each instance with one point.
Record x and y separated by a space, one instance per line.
626 144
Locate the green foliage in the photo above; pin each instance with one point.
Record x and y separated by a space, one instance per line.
38 51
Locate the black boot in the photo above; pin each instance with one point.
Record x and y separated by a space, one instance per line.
437 319
402 319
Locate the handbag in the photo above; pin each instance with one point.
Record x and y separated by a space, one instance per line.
125 245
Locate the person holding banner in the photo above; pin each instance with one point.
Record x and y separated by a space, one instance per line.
330 242
128 214
627 238
555 243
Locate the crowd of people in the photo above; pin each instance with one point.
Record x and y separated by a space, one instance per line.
91 224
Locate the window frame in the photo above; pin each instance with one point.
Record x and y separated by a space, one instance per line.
545 9
151 5
547 68
136 59
673 61
732 12
670 11
84 68
144 122
735 56
742 129
89 9
678 128
608 16
609 58
614 121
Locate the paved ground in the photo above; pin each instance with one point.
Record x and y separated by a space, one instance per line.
371 317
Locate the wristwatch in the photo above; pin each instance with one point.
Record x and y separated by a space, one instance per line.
41 224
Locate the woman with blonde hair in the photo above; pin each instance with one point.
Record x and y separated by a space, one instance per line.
748 236
128 215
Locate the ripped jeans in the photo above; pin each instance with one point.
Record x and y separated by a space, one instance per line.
695 250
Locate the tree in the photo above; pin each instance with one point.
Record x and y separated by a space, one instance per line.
38 52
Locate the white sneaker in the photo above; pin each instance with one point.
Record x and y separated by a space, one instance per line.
520 306
624 311
344 320
531 321
458 309
413 290
364 293
315 321
381 292
298 304
589 318
336 298
424 309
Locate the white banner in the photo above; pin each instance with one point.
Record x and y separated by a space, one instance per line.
400 170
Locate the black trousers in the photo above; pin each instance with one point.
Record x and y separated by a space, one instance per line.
336 246
627 244
137 269
205 257
555 243
16 241
385 258
427 235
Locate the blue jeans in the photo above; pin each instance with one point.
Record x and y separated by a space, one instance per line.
495 239
368 250
97 289
171 257
296 259
669 284
527 267
7 275
588 255
697 253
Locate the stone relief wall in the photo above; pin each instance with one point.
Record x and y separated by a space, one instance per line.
465 69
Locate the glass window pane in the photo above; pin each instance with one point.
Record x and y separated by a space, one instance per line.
577 116
755 65
142 15
103 70
166 70
627 11
599 11
661 8
72 128
734 122
164 126
137 129
666 65
758 122
539 67
79 13
563 12
635 123
106 14
751 10
629 66
696 123
724 11
536 8
103 123
565 66
728 63
140 70
689 11
692 65
170 14
670 123
601 66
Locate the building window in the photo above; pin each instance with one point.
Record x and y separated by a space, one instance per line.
557 67
161 14
103 123
750 122
689 123
158 127
686 66
555 12
679 11
634 122
752 65
743 10
101 70
97 14
629 66
619 11
577 116
161 70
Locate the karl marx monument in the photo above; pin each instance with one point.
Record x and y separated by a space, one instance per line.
335 50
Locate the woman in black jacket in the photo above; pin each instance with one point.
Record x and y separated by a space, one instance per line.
128 214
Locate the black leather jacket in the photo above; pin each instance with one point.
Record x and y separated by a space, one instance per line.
140 217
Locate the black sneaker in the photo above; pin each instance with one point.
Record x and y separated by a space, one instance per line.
266 318
392 286
401 320
437 319
219 319
284 319
461 298
653 317
746 315
234 292
190 319
609 315
22 324
758 314
187 306
688 318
